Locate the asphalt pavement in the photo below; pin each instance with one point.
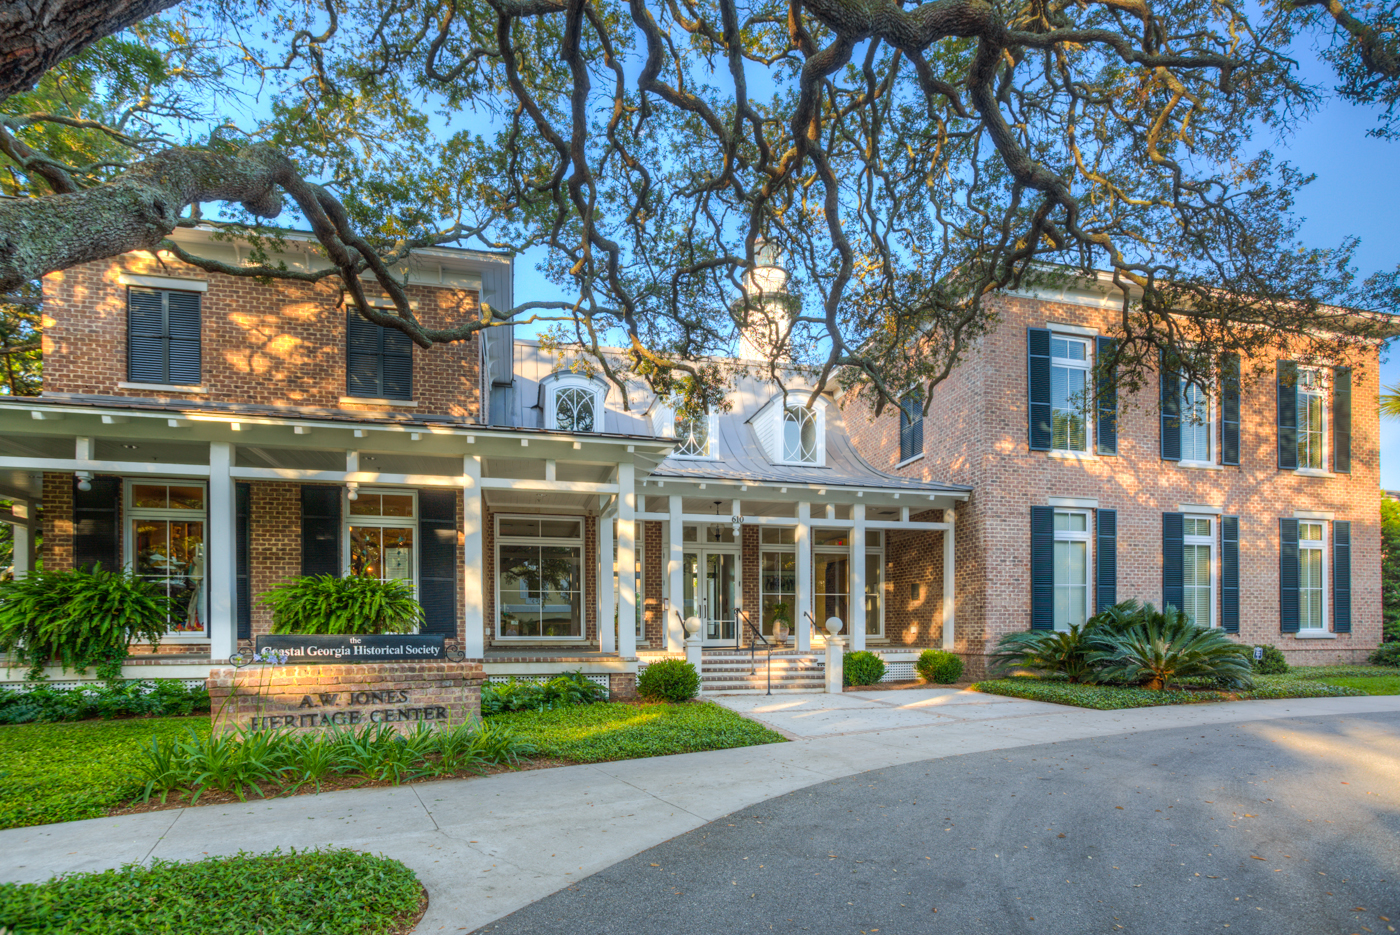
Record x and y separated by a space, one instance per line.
1278 827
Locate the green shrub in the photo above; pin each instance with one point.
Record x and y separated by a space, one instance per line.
1272 663
1386 654
148 698
325 604
935 665
673 680
1166 647
80 618
862 668
336 890
571 688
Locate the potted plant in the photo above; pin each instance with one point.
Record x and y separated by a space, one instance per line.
353 605
780 615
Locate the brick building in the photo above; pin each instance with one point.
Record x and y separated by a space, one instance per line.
220 436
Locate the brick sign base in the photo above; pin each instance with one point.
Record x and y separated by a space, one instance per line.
320 698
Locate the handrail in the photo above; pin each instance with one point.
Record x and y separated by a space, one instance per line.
753 668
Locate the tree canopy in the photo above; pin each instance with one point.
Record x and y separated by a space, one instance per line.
904 160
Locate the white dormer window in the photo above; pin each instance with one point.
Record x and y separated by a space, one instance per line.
695 437
800 432
790 432
574 403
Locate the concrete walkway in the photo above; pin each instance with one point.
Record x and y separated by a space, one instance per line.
486 847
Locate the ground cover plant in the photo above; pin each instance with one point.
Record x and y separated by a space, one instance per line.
673 680
862 668
326 604
336 890
616 731
571 688
145 698
938 666
1114 697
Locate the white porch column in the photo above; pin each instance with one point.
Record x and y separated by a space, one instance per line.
626 561
949 581
675 572
474 556
855 626
221 554
23 529
607 633
804 578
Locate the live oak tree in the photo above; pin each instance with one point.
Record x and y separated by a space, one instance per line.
903 161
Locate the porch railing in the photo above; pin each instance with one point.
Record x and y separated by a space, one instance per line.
755 637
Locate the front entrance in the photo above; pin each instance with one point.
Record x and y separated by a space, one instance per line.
711 593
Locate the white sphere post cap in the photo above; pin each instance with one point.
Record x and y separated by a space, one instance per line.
692 625
834 625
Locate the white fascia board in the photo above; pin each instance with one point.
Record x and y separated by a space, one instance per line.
164 282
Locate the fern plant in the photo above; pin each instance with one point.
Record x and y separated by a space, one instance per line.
1166 646
326 605
80 618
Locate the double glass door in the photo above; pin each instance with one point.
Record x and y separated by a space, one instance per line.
711 593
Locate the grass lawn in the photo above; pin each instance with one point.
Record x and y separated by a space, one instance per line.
68 771
1110 698
339 891
1373 685
612 731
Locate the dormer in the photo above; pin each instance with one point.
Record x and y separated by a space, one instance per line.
573 402
695 438
792 433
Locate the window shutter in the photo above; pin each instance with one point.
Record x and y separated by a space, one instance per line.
1042 568
1288 433
95 533
1341 577
242 497
437 560
363 356
398 364
1038 387
1171 413
1173 536
1230 410
1230 573
1288 576
146 341
911 427
1341 420
1107 398
320 530
182 319
1106 576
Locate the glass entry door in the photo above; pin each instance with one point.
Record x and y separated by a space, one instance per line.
711 593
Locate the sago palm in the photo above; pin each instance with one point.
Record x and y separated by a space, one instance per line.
1047 652
1166 647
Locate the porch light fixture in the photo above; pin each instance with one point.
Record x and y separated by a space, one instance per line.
352 491
715 527
84 480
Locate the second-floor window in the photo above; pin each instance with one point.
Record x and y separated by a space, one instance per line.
911 427
1069 383
162 336
1312 430
1197 430
379 361
799 435
693 436
573 409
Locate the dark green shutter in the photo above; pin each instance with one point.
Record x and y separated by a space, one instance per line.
182 322
1038 387
398 364
1106 577
1170 406
1173 534
437 560
1230 573
95 523
1341 577
243 585
1287 388
162 343
1341 420
1230 410
320 530
1288 576
911 427
378 361
1107 396
1042 568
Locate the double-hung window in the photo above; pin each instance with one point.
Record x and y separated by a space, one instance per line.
162 336
1071 568
1070 363
1312 568
1197 429
1312 428
1198 569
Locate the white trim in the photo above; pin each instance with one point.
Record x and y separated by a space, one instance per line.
1086 366
1077 330
910 460
164 282
1209 541
1086 536
172 387
1315 514
130 514
1317 545
1080 503
1199 508
555 383
1072 455
1314 635
1199 465
1313 472
376 401
382 522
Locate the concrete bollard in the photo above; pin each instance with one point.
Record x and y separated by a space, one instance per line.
835 658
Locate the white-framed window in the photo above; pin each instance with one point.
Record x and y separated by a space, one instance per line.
539 577
165 537
639 552
1070 363
1198 569
831 575
874 583
1072 555
1312 576
1197 426
381 534
695 438
800 435
1312 420
573 403
777 576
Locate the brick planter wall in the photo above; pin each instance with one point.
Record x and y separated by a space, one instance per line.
317 698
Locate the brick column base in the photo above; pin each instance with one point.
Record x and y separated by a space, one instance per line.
622 686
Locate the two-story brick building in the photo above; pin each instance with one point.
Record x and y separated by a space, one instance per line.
220 436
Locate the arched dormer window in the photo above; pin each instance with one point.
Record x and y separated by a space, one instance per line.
574 403
695 437
800 433
790 432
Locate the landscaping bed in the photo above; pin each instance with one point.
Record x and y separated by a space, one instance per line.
340 891
1113 697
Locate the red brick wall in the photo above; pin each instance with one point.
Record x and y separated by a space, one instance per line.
975 434
57 520
274 526
653 573
277 344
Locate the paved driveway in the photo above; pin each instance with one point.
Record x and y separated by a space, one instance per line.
803 716
1284 827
